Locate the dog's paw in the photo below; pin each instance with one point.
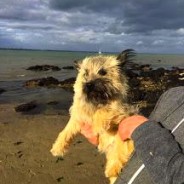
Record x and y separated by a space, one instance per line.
57 150
113 171
112 180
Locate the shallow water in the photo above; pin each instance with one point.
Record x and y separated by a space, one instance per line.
13 73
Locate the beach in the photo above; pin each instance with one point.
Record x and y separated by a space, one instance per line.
25 142
26 137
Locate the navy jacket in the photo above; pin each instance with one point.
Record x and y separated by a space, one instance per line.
159 144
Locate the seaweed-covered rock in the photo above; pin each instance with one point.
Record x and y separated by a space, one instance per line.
53 103
146 85
145 68
26 107
43 68
68 68
67 83
2 90
44 82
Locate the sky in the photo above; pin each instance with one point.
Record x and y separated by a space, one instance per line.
148 26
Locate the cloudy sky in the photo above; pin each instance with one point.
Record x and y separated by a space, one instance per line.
149 26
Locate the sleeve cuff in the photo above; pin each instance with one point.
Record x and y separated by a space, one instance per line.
145 128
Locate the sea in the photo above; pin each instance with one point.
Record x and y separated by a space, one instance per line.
13 73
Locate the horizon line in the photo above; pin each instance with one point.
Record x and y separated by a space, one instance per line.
57 50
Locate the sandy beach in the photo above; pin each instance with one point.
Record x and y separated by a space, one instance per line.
25 141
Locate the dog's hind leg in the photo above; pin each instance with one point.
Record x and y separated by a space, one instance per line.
113 168
117 156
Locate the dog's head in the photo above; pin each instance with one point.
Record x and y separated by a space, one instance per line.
101 80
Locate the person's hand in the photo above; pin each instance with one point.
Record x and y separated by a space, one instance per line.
129 124
87 131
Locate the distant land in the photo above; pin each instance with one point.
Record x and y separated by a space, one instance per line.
25 49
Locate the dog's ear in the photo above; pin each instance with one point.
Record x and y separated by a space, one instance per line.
77 64
126 56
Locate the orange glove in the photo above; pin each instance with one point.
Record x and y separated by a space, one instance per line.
87 131
129 124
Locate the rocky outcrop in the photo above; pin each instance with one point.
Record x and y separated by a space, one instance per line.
51 82
146 85
26 107
43 68
43 82
67 84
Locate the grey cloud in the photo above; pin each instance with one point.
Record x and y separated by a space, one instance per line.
151 15
22 10
131 15
22 15
92 5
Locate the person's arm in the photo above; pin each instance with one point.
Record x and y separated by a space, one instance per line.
158 150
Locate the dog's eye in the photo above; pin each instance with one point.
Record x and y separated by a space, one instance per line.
102 72
86 73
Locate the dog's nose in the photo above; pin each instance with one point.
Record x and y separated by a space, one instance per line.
89 86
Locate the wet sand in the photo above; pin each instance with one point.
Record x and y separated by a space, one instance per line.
25 141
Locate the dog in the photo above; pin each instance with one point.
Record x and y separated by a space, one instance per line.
100 99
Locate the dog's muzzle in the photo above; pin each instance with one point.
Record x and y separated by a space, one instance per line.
99 91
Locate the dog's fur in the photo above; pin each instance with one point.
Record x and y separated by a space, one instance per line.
100 100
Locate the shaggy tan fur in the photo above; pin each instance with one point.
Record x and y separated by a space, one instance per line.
104 118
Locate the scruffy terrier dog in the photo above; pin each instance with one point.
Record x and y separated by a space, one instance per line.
100 100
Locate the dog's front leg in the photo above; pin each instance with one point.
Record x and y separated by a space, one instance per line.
64 138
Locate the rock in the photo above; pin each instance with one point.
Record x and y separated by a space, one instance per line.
43 68
44 82
53 103
151 97
68 83
177 70
146 86
145 68
2 90
134 82
131 73
18 143
26 107
136 95
51 82
79 163
68 67
60 179
154 74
